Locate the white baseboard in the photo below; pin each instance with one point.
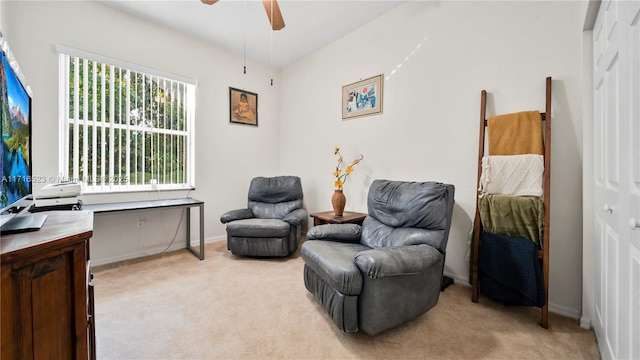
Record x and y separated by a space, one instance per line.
564 311
458 279
151 251
554 308
196 242
585 323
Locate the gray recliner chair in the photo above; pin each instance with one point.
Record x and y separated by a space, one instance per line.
270 224
389 270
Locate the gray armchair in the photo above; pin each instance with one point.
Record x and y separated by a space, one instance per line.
270 223
389 270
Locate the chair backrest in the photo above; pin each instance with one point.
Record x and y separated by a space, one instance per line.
408 213
274 197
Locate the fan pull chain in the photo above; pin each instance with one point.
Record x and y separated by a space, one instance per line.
271 45
244 40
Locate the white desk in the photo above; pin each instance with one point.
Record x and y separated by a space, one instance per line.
189 203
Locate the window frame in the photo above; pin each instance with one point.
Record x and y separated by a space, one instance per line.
109 185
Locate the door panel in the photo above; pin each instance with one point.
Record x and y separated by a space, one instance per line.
633 162
612 124
612 17
612 291
634 125
616 178
600 259
599 132
634 301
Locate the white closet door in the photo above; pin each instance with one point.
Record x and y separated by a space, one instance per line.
633 185
617 178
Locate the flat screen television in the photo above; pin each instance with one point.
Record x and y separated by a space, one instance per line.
16 152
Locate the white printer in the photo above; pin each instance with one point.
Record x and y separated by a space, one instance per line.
64 193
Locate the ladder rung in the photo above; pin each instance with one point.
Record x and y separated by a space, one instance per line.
543 115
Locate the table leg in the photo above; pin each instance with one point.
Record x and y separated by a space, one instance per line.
200 254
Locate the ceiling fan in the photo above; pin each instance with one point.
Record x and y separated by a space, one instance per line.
272 9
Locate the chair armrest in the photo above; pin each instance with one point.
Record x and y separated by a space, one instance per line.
296 217
237 214
336 232
393 261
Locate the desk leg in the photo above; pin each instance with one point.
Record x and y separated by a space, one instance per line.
201 232
199 255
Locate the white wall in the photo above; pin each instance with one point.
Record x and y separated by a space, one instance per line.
588 12
436 58
228 155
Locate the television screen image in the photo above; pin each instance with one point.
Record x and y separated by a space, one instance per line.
15 119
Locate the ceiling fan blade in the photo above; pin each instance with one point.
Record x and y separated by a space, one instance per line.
274 14
209 2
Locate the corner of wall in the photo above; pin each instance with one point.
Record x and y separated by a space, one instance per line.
589 11
585 323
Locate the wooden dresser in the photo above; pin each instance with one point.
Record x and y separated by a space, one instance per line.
47 296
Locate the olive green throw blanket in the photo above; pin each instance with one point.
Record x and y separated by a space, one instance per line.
520 216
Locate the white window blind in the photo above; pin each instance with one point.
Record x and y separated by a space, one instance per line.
124 129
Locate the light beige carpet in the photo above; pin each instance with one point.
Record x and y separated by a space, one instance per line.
174 306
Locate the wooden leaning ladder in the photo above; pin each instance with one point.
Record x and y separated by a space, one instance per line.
543 254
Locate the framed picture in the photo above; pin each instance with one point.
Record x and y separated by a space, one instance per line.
243 107
362 98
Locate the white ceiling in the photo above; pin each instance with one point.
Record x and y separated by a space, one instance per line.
230 24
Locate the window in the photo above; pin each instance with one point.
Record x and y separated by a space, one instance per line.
124 127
